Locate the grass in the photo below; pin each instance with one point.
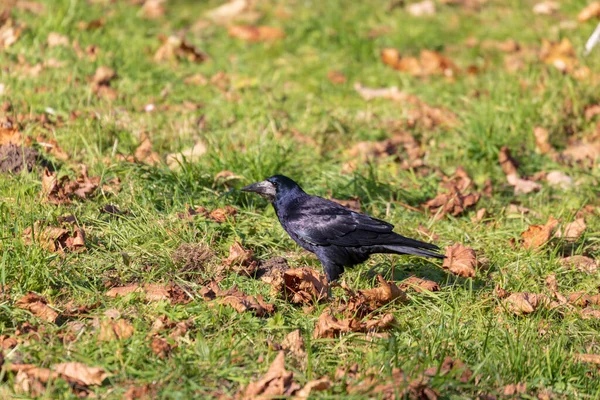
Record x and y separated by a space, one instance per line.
283 86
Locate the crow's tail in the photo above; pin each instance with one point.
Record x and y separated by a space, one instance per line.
431 251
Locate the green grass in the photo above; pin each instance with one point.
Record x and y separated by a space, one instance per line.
288 89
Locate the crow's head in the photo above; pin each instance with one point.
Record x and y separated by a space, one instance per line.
272 187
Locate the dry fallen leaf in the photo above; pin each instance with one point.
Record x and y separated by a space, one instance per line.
37 305
537 235
453 202
573 230
10 31
189 155
115 330
302 285
588 358
64 190
581 263
316 385
80 373
175 48
276 382
592 10
236 299
56 239
561 55
428 63
509 166
559 179
241 259
515 389
160 347
526 303
294 343
336 77
151 292
233 10
153 9
385 293
56 39
460 260
426 7
541 139
546 7
419 285
330 327
252 33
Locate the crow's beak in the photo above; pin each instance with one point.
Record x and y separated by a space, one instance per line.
264 188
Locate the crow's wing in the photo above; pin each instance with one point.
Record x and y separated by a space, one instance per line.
322 222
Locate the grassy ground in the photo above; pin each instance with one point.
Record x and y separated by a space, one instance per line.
274 89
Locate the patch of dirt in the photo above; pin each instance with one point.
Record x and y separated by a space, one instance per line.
273 265
192 257
13 158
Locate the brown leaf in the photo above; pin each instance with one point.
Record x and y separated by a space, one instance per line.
330 327
63 190
419 285
241 259
276 382
221 214
144 392
428 63
522 186
294 343
592 110
252 33
233 10
581 263
304 285
10 31
588 358
541 139
561 55
238 300
573 230
537 235
385 293
560 179
460 260
513 389
144 152
152 292
315 385
336 77
422 8
115 330
592 10
80 373
582 152
56 39
124 290
160 347
153 9
525 303
178 48
507 162
189 155
453 202
10 136
546 7
37 305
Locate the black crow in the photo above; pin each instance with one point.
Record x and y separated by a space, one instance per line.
338 236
